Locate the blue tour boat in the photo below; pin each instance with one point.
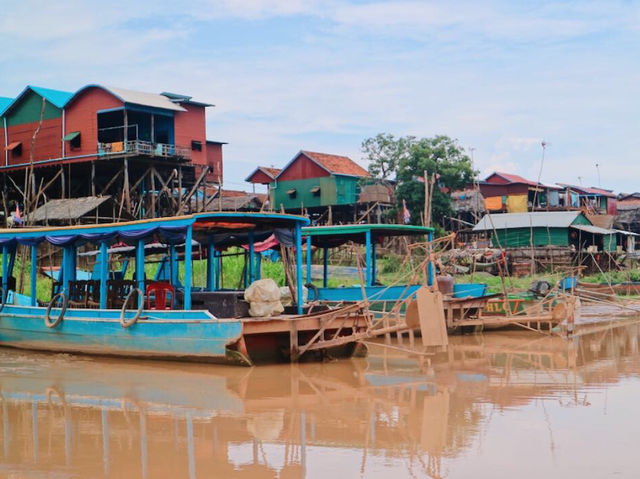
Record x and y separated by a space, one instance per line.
166 318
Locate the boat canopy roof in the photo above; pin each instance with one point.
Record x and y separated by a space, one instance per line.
221 228
337 235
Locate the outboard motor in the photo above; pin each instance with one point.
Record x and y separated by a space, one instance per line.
540 288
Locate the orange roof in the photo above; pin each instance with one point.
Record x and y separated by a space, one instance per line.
513 178
271 171
229 193
339 165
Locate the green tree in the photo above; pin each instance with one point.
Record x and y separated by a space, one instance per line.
385 152
405 159
440 155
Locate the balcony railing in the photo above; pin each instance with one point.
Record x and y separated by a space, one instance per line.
140 147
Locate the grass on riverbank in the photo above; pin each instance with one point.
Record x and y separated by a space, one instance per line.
390 271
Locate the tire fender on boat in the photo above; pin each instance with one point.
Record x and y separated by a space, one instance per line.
130 322
63 310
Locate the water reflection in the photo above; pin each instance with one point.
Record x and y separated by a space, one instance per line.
85 417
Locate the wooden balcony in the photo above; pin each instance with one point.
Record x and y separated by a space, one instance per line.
145 148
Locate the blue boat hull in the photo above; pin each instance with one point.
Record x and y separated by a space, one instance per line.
374 293
194 335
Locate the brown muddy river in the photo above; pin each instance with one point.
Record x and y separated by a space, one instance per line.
515 405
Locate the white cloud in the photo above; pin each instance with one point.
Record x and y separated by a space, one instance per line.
495 75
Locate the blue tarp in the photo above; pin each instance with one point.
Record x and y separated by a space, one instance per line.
170 234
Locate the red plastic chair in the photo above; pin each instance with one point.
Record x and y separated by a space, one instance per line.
159 291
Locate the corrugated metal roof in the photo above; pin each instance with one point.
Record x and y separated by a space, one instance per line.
58 98
589 190
176 97
145 99
4 103
512 178
68 209
543 219
594 229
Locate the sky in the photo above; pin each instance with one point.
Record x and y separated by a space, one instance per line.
287 75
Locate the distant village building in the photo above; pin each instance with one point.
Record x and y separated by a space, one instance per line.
148 151
263 175
327 187
517 230
554 237
468 207
628 217
508 193
595 201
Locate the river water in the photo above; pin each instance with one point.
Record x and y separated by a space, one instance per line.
502 404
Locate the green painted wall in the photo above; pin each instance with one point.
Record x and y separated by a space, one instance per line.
581 220
334 190
610 242
29 108
521 237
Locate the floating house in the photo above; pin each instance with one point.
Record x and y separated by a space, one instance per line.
325 186
553 228
150 151
313 179
35 112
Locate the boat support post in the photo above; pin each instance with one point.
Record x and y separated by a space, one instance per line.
34 274
325 267
5 271
140 268
173 261
251 265
374 266
187 267
104 273
368 264
309 259
211 267
218 259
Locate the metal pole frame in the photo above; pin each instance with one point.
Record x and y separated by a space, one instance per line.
298 240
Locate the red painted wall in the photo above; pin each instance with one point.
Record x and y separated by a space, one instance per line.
612 206
490 190
190 125
48 142
261 178
302 167
497 180
214 160
81 115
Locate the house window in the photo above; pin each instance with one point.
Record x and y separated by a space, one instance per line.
196 145
74 139
291 193
315 191
15 148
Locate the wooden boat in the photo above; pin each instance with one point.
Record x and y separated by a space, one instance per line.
168 319
512 304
